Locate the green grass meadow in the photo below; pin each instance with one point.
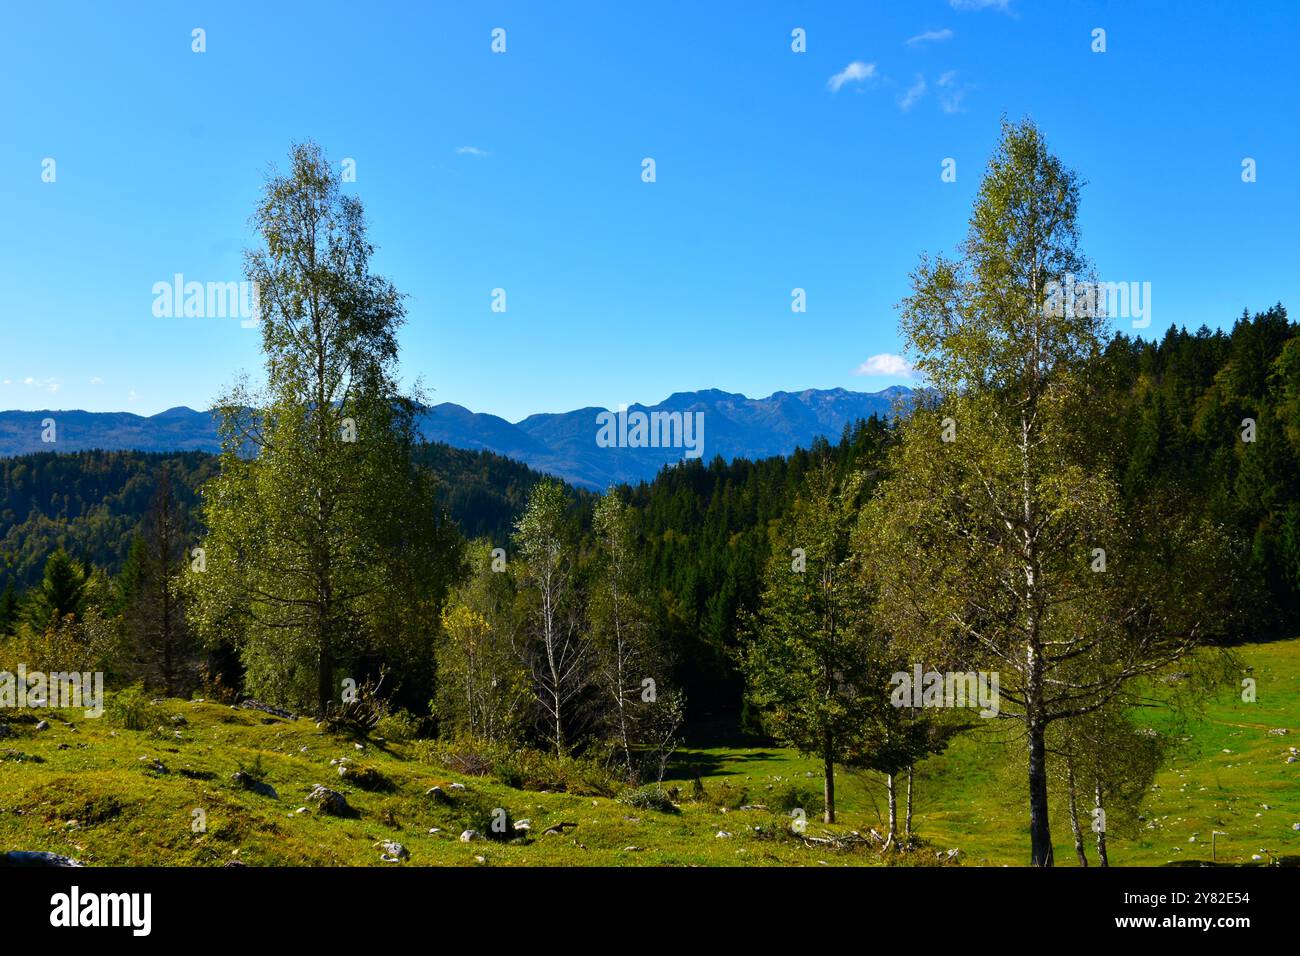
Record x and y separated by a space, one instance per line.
81 788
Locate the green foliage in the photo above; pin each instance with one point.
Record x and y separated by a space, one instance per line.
89 503
651 797
156 629
131 708
796 796
521 768
366 777
811 665
483 689
400 726
554 646
325 548
1002 536
60 594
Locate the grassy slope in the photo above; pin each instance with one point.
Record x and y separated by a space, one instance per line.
91 797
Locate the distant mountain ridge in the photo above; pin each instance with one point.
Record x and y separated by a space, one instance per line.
563 444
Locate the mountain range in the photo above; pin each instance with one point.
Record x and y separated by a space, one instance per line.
569 445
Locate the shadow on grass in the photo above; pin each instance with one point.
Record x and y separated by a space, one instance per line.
734 747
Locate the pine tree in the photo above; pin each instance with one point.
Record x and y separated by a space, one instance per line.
809 666
153 613
9 609
62 592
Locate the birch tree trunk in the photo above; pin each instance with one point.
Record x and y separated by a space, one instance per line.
828 783
1074 814
1100 824
907 817
893 810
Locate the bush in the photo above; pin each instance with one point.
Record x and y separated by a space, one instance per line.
722 796
399 726
463 755
537 770
796 796
652 797
367 778
521 768
132 709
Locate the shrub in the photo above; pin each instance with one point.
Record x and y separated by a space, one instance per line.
132 709
521 768
652 797
463 755
721 796
399 726
367 778
796 796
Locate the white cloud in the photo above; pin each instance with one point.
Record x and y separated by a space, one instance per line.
855 72
931 36
470 151
44 384
96 381
914 93
1002 6
886 364
950 95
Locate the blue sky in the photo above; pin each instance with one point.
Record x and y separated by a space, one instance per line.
522 171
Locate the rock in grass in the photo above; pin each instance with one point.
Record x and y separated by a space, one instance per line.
251 704
43 725
36 858
470 835
252 784
19 757
394 852
330 802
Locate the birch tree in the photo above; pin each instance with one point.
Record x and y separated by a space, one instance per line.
325 544
1000 499
483 688
623 641
554 646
